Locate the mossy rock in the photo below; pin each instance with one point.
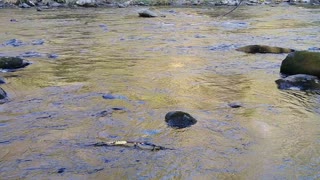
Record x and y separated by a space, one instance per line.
264 49
301 62
179 119
12 63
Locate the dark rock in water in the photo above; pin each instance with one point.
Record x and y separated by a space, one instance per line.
301 82
52 56
114 96
3 94
61 170
13 20
301 62
199 36
37 42
179 119
147 13
264 49
30 54
314 49
235 105
104 27
12 62
14 43
2 81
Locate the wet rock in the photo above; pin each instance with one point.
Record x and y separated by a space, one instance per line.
314 49
3 94
147 13
24 5
61 170
37 42
235 104
53 56
301 62
12 63
86 3
179 119
30 54
2 81
56 5
227 3
13 42
114 96
104 27
264 49
301 82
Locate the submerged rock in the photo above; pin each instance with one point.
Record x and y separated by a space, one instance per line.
301 62
114 96
299 82
235 105
14 42
264 49
147 13
3 94
179 119
12 63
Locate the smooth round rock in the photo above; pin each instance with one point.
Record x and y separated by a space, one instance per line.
12 62
179 119
301 62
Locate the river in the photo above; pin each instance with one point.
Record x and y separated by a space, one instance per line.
186 61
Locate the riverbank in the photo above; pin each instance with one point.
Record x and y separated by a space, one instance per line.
50 4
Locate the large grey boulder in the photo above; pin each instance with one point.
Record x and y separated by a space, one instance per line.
301 62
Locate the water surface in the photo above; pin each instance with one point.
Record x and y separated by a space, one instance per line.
186 61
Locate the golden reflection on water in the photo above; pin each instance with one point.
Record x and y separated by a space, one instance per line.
159 65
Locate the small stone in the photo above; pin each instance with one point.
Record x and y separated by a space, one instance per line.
114 96
235 105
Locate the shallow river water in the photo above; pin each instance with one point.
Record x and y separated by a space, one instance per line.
186 61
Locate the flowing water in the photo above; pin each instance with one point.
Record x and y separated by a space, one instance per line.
186 61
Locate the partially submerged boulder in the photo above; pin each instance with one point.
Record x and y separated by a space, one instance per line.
301 62
179 119
3 94
12 63
147 13
301 82
264 49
